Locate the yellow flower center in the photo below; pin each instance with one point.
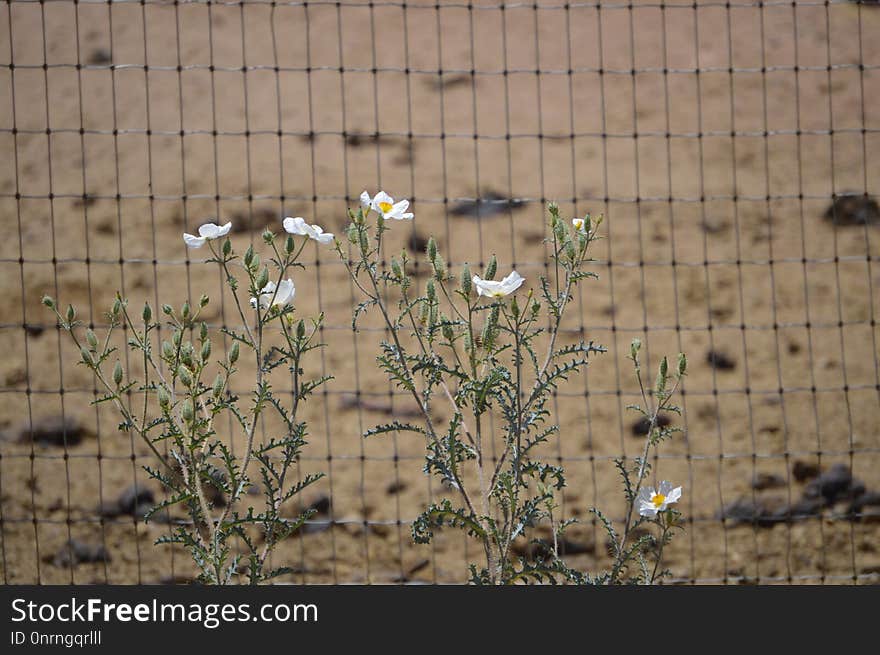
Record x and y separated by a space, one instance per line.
658 500
498 294
578 223
385 207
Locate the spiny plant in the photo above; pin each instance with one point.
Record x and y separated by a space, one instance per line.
494 360
183 396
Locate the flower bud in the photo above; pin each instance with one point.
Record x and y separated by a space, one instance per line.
218 385
167 309
186 354
431 250
682 363
255 263
491 268
353 233
248 256
448 333
439 268
175 338
466 281
431 291
206 351
117 374
184 310
49 302
92 339
147 314
263 279
395 268
634 348
117 307
289 245
167 350
187 411
203 301
300 330
164 397
664 367
233 352
86 357
71 313
184 375
203 331
268 236
227 247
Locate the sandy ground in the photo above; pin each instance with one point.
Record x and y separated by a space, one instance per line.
148 119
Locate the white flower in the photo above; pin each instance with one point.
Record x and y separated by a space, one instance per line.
299 226
493 289
384 205
580 224
283 294
207 232
652 502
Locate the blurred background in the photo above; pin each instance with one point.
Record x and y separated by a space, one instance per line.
732 146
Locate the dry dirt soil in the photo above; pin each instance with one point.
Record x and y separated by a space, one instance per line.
712 138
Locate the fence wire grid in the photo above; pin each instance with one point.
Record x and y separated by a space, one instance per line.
732 146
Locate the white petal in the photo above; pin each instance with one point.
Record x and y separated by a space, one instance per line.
381 198
192 241
224 230
209 230
285 293
366 201
674 495
324 237
664 488
296 225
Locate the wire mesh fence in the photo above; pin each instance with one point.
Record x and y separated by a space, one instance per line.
732 147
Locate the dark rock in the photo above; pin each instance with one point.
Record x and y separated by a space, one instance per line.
719 361
100 57
865 499
763 481
395 488
853 209
321 505
641 426
763 512
803 508
803 471
54 430
417 244
133 497
832 485
77 552
488 205
34 330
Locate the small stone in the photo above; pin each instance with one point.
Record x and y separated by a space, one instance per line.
321 505
395 488
763 481
853 209
720 361
833 484
641 426
75 552
54 430
488 205
803 471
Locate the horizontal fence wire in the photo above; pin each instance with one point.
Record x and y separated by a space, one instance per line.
731 146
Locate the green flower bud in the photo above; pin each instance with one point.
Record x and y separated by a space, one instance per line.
431 250
352 233
203 301
147 313
263 279
424 311
395 268
218 385
86 357
92 339
187 411
203 331
466 280
184 310
682 363
448 333
164 397
553 208
289 245
300 330
117 374
167 309
248 256
184 375
49 302
255 262
634 348
167 350
71 313
175 338
440 268
186 354
233 352
514 307
569 250
431 291
268 236
117 307
227 247
491 269
206 351
664 367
